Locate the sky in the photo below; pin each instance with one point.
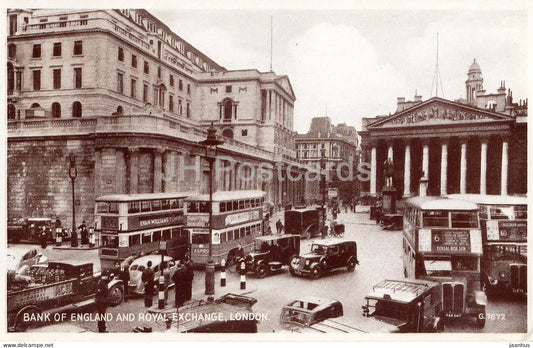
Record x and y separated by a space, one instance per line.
350 62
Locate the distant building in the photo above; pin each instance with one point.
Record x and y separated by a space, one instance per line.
339 144
477 145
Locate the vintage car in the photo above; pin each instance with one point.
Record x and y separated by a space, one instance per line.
323 315
271 253
411 305
23 255
326 255
136 285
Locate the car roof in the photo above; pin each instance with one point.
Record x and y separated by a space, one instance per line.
20 250
156 259
401 290
332 241
320 302
275 237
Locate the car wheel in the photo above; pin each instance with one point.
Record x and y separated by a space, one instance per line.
351 265
22 325
316 272
116 295
261 271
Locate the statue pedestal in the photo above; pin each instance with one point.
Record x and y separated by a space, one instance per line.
388 204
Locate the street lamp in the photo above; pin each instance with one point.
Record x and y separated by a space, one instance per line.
211 149
73 173
323 187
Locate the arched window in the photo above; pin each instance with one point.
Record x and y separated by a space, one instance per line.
11 112
56 110
228 133
119 110
35 105
228 110
76 109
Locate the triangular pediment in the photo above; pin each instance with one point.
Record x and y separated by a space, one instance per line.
438 111
284 83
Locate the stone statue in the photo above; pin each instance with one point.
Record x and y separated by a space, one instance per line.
388 172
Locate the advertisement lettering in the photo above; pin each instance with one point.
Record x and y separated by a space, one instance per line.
446 241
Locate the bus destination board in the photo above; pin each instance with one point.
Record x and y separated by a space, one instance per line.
450 241
507 230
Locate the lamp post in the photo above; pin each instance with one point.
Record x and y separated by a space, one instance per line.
323 187
73 173
211 149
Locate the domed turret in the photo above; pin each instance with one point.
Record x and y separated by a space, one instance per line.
474 81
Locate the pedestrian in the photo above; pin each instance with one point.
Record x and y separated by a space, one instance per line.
178 278
101 301
42 237
148 280
166 277
58 227
124 275
116 268
84 233
189 276
279 226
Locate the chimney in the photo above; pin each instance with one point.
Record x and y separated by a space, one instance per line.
422 192
401 103
418 98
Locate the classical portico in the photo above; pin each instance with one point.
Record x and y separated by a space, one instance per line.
459 148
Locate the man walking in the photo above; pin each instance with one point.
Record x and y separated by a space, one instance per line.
124 275
101 301
179 278
148 280
189 276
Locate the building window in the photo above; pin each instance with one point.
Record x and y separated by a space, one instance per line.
77 78
12 51
57 78
36 80
76 109
133 61
171 103
120 83
188 89
188 110
171 82
36 51
244 132
180 108
180 85
228 89
146 68
133 88
159 72
57 49
12 25
228 133
18 80
228 110
78 48
121 54
156 96
145 92
56 110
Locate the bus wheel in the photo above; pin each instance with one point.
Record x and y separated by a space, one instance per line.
316 272
261 271
480 319
116 295
21 324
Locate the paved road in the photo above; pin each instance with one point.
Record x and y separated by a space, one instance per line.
379 253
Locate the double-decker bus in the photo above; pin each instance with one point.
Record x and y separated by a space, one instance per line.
129 224
442 243
504 232
237 220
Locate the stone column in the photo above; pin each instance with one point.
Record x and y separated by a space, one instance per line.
134 170
483 173
463 166
407 171
425 159
505 165
373 170
444 168
158 168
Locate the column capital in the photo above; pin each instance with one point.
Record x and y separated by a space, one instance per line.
463 139
484 138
